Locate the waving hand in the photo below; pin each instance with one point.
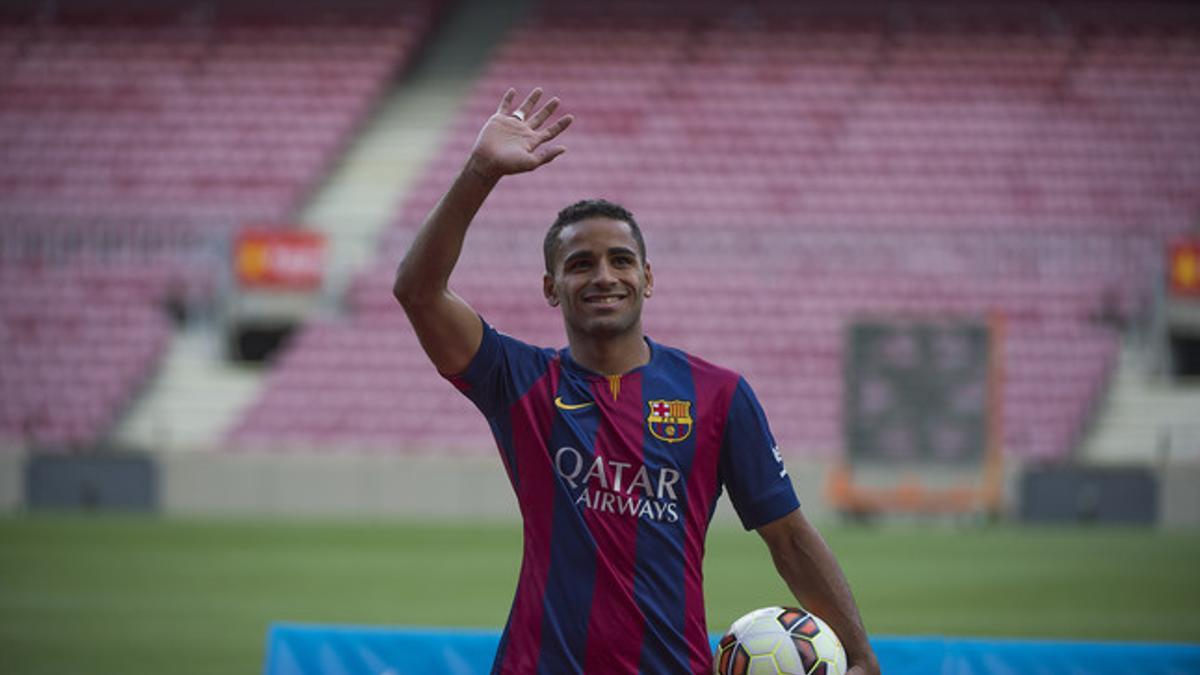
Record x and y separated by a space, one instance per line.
514 140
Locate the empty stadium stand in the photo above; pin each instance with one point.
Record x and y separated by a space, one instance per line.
137 137
795 168
201 119
76 343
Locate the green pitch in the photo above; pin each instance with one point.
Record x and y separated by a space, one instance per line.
131 596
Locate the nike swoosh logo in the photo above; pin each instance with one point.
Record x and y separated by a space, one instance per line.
572 406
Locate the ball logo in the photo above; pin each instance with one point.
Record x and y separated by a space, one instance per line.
670 421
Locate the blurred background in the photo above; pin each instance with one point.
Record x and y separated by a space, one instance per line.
954 246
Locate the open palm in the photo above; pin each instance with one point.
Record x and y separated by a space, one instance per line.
514 140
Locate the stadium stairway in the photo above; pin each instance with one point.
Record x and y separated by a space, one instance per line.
1147 419
359 199
194 395
197 394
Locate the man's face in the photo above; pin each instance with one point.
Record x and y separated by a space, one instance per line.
600 279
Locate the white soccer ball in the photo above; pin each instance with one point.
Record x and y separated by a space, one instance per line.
780 641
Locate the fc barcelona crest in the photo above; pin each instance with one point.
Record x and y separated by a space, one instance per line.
670 421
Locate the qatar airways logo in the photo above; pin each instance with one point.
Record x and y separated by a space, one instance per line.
620 487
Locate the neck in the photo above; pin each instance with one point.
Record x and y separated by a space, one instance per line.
614 355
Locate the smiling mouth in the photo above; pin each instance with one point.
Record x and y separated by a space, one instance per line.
603 300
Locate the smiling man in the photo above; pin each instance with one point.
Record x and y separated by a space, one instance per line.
617 447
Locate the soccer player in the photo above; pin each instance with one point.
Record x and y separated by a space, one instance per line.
617 447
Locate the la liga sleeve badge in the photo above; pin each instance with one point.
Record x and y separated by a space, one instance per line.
670 421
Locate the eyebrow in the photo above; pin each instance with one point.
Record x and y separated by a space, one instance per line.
615 250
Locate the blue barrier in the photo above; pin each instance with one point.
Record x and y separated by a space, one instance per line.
296 649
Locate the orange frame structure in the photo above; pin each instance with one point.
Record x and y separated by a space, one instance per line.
909 494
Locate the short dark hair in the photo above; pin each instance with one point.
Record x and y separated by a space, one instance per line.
582 210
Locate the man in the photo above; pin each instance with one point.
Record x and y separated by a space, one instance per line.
617 447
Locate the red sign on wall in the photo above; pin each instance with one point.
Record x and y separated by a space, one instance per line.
1183 267
284 260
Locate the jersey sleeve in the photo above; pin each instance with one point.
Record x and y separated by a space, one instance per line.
751 466
500 372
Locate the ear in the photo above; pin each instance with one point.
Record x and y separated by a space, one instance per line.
549 290
649 280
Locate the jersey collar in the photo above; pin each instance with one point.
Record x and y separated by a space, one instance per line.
571 364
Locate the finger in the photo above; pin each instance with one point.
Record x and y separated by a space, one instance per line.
530 101
539 118
506 102
555 129
547 155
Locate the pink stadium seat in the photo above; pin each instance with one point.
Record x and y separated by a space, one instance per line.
133 142
72 351
789 185
795 166
91 104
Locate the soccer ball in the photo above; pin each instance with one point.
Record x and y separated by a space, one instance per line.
779 641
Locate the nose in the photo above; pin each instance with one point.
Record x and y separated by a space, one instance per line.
604 274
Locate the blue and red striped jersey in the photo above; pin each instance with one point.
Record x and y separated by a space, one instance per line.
617 479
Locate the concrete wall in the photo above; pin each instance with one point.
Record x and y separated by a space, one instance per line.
334 485
224 484
1179 497
12 480
330 485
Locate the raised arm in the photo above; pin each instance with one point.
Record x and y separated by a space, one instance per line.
814 577
514 140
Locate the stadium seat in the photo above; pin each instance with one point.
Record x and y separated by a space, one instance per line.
137 137
795 168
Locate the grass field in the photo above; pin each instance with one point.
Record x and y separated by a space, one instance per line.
140 595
